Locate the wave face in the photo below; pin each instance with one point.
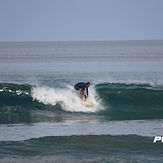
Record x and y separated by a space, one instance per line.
131 101
113 101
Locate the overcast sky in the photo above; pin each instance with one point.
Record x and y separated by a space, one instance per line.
73 20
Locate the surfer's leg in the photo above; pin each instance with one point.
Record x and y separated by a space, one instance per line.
81 94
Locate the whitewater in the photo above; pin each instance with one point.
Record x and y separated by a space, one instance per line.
68 98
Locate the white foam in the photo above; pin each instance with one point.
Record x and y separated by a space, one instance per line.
67 97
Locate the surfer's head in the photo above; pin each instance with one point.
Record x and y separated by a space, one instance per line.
88 84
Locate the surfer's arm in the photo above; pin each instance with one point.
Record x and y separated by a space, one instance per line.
87 91
85 95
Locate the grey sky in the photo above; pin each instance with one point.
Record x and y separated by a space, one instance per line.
70 20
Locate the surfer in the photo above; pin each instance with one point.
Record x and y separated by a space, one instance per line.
83 88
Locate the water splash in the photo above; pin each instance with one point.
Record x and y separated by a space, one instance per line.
68 98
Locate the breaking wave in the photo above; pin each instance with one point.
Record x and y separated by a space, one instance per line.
113 101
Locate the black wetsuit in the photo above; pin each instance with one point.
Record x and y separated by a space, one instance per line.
82 87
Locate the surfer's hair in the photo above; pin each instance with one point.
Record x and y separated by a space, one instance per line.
88 83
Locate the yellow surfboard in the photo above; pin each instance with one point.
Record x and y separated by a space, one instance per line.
87 103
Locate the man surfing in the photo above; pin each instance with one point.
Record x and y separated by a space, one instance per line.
83 88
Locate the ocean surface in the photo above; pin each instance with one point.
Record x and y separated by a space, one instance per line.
41 115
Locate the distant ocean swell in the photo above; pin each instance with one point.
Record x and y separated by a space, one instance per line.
114 101
107 145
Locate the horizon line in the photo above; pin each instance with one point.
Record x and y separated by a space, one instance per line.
82 40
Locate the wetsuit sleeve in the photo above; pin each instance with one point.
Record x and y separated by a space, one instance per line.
85 95
87 91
